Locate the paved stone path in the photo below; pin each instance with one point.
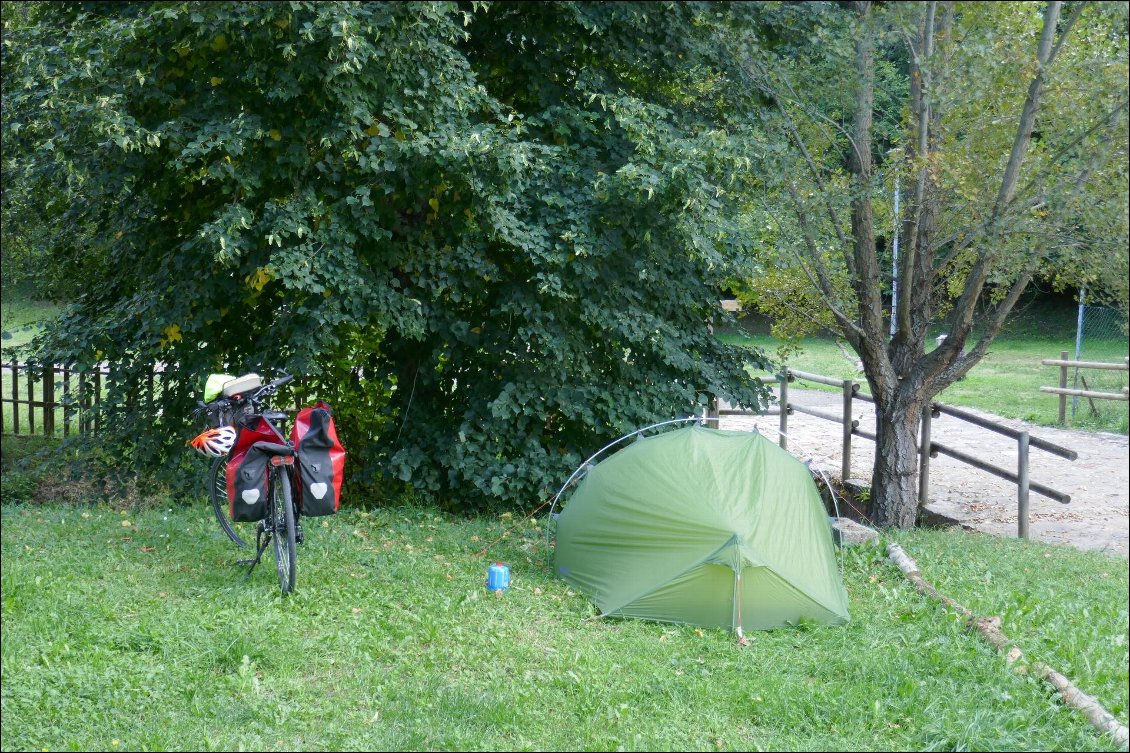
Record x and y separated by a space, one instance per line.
1098 516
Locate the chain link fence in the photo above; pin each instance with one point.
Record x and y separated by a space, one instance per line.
1102 335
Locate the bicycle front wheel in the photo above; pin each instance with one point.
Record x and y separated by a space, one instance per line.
282 517
218 491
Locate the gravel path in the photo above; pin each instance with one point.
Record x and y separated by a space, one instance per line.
1098 516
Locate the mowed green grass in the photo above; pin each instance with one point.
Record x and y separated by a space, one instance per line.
22 317
136 631
1006 382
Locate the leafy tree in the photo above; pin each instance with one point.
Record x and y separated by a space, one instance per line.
491 234
1009 144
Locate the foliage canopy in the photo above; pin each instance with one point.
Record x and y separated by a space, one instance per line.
491 235
1004 125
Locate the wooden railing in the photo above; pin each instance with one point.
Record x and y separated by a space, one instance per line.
1062 390
927 448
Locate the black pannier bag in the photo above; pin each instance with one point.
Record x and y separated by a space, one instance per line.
321 461
247 473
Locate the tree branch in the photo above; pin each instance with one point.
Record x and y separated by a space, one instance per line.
962 317
921 106
922 288
866 276
1076 11
822 281
815 117
1028 114
974 232
996 319
812 166
989 628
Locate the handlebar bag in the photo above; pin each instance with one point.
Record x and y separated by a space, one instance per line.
321 460
247 472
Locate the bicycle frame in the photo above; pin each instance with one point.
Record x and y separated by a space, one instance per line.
280 526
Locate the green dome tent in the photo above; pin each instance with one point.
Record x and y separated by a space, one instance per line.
705 527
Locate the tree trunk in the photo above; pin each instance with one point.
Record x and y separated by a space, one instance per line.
894 480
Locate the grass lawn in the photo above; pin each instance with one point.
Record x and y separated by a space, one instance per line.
136 631
1007 381
21 318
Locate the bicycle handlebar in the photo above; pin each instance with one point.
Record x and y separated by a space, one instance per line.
258 396
271 387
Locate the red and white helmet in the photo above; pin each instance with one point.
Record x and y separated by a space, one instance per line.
215 442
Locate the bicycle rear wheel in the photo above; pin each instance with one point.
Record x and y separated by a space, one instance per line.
218 491
283 538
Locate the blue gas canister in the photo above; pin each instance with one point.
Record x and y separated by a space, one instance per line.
498 577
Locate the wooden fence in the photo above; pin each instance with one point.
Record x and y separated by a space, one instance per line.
70 401
60 400
1062 390
927 448
54 400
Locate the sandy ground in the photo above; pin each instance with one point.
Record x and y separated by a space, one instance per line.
1097 517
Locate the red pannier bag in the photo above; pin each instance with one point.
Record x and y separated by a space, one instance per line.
247 472
321 460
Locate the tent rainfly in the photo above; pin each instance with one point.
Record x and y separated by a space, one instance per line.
703 527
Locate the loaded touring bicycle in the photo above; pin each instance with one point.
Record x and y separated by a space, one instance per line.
261 476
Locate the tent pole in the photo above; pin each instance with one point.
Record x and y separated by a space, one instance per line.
738 601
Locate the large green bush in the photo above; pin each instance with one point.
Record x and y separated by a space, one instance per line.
489 234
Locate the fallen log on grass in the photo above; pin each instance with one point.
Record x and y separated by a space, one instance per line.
990 630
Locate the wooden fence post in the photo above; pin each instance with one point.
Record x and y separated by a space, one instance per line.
67 408
711 417
845 469
49 400
97 399
15 396
924 457
30 399
1022 485
783 439
81 397
1063 386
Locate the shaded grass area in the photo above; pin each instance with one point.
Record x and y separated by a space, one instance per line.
136 630
22 317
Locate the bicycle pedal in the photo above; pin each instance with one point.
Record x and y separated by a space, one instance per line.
245 562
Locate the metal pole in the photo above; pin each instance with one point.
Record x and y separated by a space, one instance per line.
895 266
783 439
924 458
846 468
1078 345
1022 486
